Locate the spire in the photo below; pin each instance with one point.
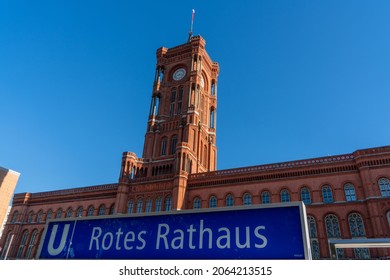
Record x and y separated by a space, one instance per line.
191 26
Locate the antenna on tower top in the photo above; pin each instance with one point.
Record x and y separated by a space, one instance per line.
192 24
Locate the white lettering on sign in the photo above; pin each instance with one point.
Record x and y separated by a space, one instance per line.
108 239
168 239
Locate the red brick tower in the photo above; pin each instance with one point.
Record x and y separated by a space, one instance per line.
180 137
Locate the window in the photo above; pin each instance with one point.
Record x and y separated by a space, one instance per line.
158 204
196 203
91 210
265 197
22 245
332 226
213 87
30 217
69 213
356 227
327 194
312 227
349 191
112 209
59 213
305 196
168 203
31 245
229 200
172 106
384 186
102 210
79 212
6 245
49 214
164 146
315 248
130 206
15 217
247 199
139 205
212 118
213 202
173 144
148 207
284 196
179 98
333 231
39 216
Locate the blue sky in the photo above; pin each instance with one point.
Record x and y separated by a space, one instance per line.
299 79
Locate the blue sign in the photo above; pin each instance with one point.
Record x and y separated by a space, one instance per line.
273 231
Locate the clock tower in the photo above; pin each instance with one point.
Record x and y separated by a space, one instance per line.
180 136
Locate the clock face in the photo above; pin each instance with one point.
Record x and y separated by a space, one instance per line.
179 74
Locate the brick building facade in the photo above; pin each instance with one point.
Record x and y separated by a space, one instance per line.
346 196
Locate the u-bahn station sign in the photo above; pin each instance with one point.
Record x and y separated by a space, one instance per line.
273 231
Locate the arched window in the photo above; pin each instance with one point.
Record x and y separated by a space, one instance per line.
79 212
31 245
30 217
102 210
158 204
91 211
265 197
179 100
69 213
173 144
22 244
164 146
59 213
39 216
212 117
284 196
332 226
6 245
356 227
213 87
327 194
168 203
130 206
349 191
229 200
315 248
148 207
49 214
384 186
213 202
196 203
333 231
312 226
15 217
247 199
305 196
173 99
139 205
112 209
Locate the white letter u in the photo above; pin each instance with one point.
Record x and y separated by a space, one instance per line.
53 234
